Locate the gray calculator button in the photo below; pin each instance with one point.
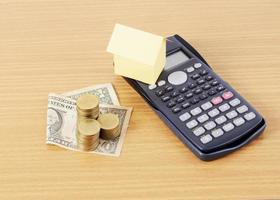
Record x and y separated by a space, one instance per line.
197 65
206 105
234 102
242 109
203 118
177 78
228 127
184 116
213 112
250 116
221 119
239 121
152 86
210 125
192 124
190 69
206 138
231 114
196 111
217 132
224 107
199 131
161 83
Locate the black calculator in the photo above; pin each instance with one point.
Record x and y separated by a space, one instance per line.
203 110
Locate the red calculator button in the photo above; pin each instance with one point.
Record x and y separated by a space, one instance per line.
227 95
217 100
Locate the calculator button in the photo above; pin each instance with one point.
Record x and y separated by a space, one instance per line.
250 116
176 109
209 78
175 94
196 111
192 85
198 131
197 65
210 125
217 100
228 127
192 124
198 91
206 87
239 121
190 69
206 105
217 132
220 88
242 109
234 102
195 100
203 118
195 76
159 93
232 114
227 95
206 138
185 116
189 95
212 92
152 86
214 83
203 96
171 104
161 83
169 88
183 90
180 99
203 72
221 119
200 81
224 107
165 98
177 78
213 112
186 105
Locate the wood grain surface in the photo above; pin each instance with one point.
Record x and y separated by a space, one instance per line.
60 45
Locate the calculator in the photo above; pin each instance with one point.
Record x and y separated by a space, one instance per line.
202 109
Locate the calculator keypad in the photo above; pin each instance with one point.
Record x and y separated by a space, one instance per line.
202 103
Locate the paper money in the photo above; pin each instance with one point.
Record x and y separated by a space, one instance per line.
61 125
105 93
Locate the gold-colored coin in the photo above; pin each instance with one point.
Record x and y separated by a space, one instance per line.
88 145
87 134
109 123
88 127
87 102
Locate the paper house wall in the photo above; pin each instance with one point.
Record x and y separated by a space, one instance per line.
137 54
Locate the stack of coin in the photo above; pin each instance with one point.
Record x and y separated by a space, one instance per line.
110 126
88 134
88 106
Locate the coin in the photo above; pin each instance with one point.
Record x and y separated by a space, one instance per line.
110 126
87 102
88 106
88 127
87 134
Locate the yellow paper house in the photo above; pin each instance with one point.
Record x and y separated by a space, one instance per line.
137 54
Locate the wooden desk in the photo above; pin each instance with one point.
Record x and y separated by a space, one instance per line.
59 45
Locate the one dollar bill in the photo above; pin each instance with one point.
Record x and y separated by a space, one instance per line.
105 93
62 117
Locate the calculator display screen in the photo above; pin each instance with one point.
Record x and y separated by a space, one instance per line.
175 59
